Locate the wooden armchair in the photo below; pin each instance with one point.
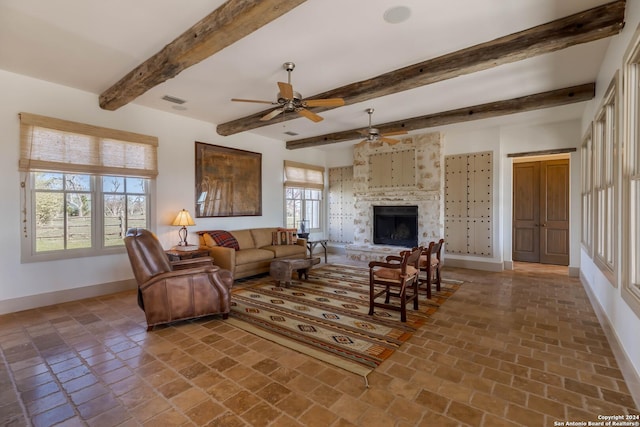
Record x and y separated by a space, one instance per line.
430 264
179 290
397 273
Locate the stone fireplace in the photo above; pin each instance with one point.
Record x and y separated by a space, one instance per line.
406 174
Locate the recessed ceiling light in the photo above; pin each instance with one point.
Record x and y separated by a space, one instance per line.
397 14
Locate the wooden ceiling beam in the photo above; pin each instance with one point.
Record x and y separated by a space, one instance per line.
224 26
554 98
593 24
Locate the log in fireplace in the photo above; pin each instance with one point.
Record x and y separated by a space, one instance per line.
395 225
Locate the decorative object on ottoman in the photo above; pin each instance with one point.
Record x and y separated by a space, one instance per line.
179 290
282 269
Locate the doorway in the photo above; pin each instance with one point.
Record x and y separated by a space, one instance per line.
541 211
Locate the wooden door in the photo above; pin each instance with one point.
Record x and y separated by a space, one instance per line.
554 212
541 212
526 212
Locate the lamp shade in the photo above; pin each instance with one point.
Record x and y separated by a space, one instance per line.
183 218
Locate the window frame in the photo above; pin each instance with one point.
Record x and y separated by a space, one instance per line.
630 185
303 208
587 191
58 146
604 182
304 177
97 248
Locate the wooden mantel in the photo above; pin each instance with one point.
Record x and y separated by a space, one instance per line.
590 25
224 26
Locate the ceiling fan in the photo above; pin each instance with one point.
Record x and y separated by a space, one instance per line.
290 101
372 134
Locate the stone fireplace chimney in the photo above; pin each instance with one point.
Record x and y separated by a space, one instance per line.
408 173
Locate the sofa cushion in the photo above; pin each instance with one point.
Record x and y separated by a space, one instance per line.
207 240
281 251
246 256
262 236
245 241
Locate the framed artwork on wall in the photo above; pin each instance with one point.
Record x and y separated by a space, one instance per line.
228 181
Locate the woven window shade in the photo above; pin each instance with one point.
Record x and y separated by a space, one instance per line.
303 175
53 144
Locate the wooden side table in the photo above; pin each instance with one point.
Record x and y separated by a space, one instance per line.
311 245
176 255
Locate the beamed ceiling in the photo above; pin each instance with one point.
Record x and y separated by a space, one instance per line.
451 63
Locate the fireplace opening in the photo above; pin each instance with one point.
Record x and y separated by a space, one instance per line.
395 225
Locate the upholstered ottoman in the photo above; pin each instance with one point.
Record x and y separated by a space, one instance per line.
282 269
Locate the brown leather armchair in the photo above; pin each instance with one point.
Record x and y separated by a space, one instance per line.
178 290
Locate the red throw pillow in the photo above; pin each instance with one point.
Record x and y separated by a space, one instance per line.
225 239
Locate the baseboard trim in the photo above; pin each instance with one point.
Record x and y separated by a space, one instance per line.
574 271
42 300
473 265
631 377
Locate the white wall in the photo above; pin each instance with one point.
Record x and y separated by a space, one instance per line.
538 138
509 140
175 182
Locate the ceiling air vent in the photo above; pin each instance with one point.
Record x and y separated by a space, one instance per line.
173 99
290 133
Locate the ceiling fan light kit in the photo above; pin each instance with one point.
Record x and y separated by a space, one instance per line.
373 134
290 101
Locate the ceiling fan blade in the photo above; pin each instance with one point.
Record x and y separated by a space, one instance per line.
364 132
286 90
389 141
271 115
309 115
398 132
253 100
328 102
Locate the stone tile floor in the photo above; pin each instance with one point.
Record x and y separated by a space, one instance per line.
514 348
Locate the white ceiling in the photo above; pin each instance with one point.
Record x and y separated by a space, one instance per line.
91 44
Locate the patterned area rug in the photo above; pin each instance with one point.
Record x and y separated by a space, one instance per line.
327 317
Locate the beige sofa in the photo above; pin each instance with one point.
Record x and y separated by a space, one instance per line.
254 251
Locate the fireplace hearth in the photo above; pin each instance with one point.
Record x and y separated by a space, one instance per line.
395 225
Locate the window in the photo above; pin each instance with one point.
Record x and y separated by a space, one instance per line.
587 190
83 187
631 178
604 152
303 188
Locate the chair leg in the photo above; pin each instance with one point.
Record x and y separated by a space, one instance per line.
429 280
371 299
403 306
438 278
415 294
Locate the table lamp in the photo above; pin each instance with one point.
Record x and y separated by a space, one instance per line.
183 219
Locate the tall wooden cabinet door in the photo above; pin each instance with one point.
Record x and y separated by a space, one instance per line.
526 212
554 212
